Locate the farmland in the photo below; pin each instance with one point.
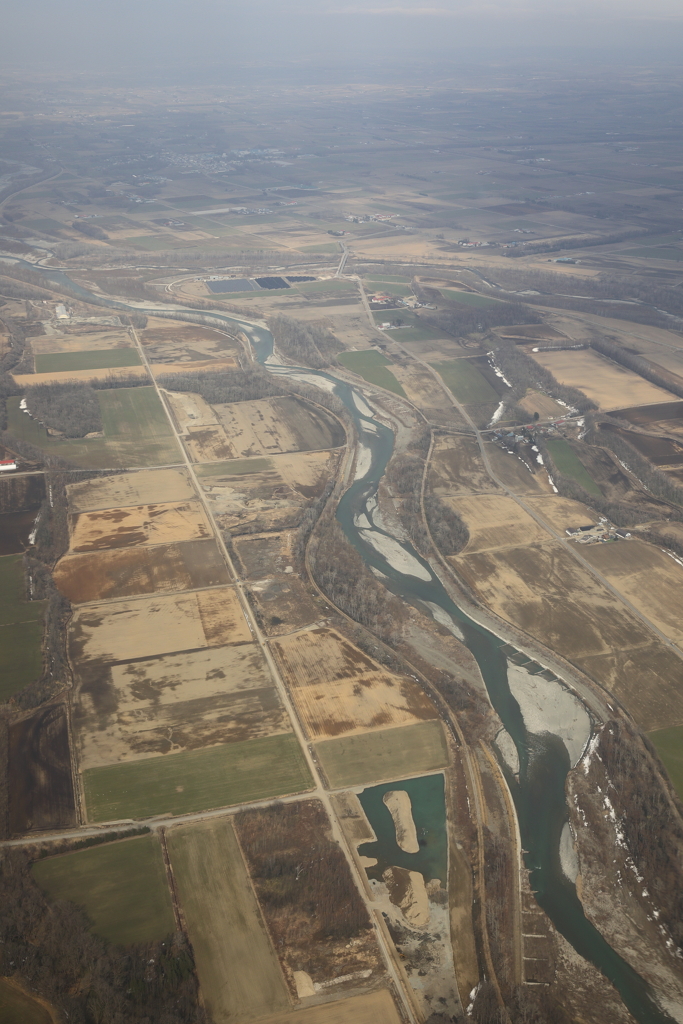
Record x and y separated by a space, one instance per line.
129 572
468 385
137 525
188 701
567 462
136 432
97 359
41 794
647 577
122 887
457 468
237 967
386 754
17 1007
669 744
197 780
373 367
21 629
338 690
608 384
139 488
125 630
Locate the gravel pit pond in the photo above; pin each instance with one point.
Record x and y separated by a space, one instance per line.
539 793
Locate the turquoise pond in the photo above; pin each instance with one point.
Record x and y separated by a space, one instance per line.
429 814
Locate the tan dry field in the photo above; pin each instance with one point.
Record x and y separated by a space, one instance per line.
162 569
138 488
383 754
272 425
177 702
285 603
609 385
650 579
662 346
217 365
373 1008
560 512
337 689
546 407
190 410
90 342
149 626
137 525
645 679
25 380
170 343
515 473
423 391
208 444
457 468
239 975
496 521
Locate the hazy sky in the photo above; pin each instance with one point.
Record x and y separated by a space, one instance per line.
103 33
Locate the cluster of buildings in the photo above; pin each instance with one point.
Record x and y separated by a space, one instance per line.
600 533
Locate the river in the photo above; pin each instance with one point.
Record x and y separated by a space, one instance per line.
539 789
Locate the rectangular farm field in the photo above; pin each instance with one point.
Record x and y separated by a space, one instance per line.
197 780
122 887
97 359
238 971
669 744
465 381
468 298
373 367
16 1007
386 754
568 463
21 630
373 1008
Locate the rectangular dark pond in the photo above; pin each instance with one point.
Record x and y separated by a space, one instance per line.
233 284
271 282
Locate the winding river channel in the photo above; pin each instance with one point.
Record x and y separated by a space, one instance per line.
538 789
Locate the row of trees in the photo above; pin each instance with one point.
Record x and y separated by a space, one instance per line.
639 364
309 344
449 532
461 319
91 230
227 386
69 407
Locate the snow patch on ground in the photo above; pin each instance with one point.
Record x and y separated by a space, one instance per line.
547 706
397 557
497 414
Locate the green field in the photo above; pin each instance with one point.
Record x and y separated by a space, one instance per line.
18 1008
414 331
463 379
331 285
99 359
21 630
386 754
197 780
468 298
323 247
238 971
372 366
568 463
669 744
137 432
386 285
121 886
234 467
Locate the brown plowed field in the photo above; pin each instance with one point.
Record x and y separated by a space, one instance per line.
150 626
420 387
607 383
338 690
456 467
190 410
208 444
562 513
645 679
666 417
138 488
515 473
40 783
96 340
25 380
273 425
138 524
139 709
164 568
168 342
